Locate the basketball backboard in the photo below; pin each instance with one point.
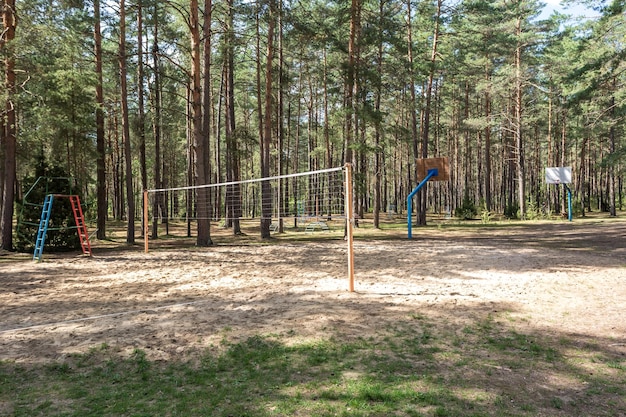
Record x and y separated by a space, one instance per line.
441 164
559 175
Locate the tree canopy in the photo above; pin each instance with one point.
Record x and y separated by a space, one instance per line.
149 94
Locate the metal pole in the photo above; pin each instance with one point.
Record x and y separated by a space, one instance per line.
569 202
409 201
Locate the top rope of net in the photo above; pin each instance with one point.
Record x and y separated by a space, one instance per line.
221 184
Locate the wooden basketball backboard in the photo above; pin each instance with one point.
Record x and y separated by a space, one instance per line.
441 164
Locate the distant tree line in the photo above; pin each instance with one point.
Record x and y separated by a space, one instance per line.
137 94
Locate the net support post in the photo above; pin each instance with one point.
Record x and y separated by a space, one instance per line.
145 220
409 200
349 226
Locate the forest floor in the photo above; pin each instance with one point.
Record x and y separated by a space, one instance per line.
560 285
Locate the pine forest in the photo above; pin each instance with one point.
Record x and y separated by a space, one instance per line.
128 95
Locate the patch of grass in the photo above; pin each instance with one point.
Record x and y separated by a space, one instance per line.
419 367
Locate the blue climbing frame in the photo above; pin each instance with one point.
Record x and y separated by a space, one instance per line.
43 227
79 220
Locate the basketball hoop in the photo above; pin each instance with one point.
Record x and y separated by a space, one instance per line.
442 165
559 175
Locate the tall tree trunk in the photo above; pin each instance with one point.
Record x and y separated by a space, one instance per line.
329 154
266 190
488 204
282 185
563 200
612 148
130 203
351 89
551 145
421 218
156 124
233 198
199 139
583 177
296 159
191 163
219 168
413 95
2 133
141 123
258 65
377 124
467 175
519 144
351 82
9 21
207 94
101 191
115 161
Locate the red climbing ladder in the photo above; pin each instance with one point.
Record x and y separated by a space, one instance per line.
80 224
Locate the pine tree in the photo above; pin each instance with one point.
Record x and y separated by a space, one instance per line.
8 137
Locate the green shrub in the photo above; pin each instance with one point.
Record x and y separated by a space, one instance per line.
511 211
533 211
467 210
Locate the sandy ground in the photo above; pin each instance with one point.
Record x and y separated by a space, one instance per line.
563 278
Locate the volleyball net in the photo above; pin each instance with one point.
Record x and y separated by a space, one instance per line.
304 202
303 197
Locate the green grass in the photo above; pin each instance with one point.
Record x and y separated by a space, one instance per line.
419 367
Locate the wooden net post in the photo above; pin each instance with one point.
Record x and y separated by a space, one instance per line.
145 220
349 225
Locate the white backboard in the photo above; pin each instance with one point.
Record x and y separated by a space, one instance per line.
559 175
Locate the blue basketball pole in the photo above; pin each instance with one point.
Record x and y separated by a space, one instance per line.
569 202
409 201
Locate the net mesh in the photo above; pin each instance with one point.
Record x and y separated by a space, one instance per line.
309 196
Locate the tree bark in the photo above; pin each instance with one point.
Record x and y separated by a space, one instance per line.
2 133
130 203
413 96
156 124
233 197
266 190
258 65
612 147
488 204
519 143
329 153
141 123
351 82
101 192
207 95
282 185
199 139
9 21
351 89
377 125
421 218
